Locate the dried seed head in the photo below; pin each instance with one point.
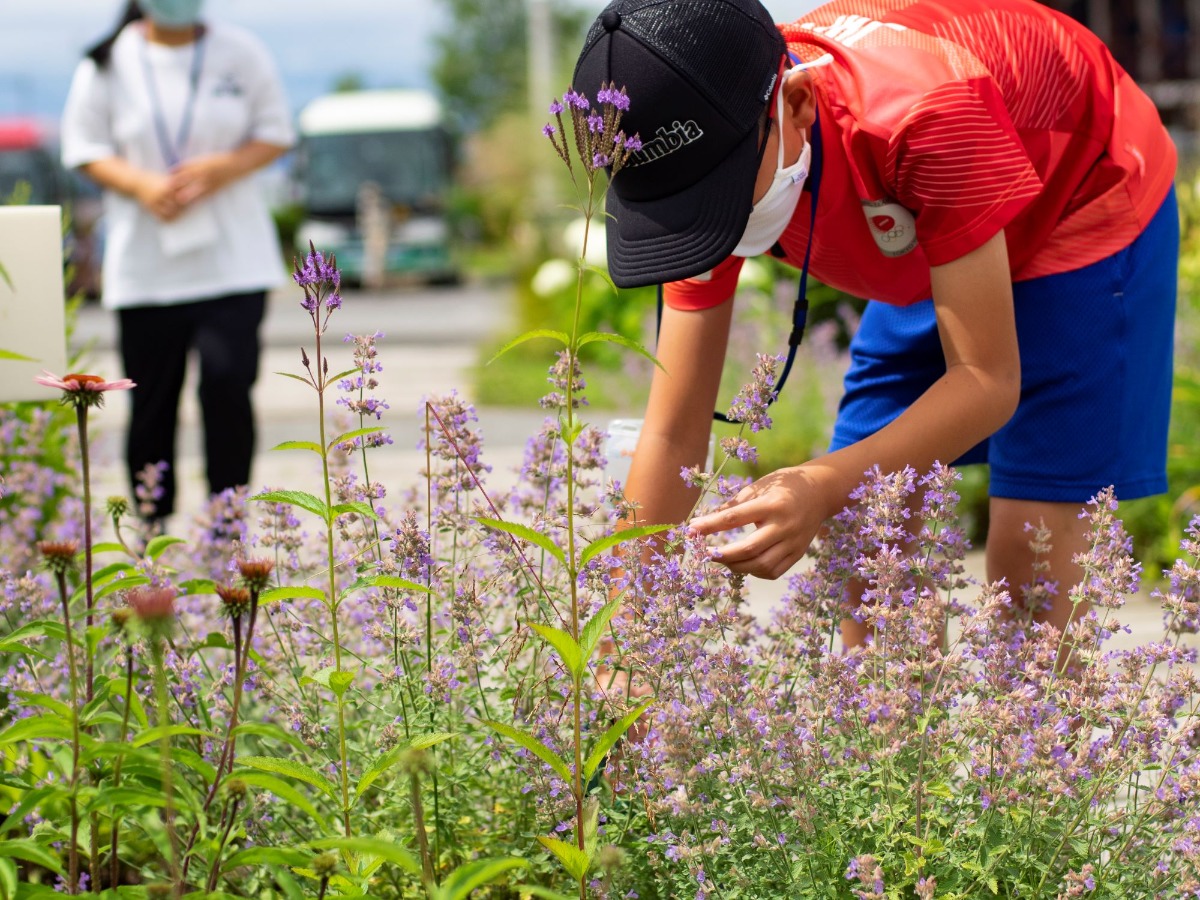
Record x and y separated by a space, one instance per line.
324 864
256 573
59 556
235 600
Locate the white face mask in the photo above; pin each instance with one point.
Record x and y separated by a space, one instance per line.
770 216
173 13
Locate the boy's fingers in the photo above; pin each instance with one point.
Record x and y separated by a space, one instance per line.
736 516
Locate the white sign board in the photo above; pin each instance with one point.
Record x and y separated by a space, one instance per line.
32 300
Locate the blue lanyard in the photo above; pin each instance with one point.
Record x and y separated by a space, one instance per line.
800 309
173 152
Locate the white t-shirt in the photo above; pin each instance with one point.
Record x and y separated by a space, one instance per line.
225 244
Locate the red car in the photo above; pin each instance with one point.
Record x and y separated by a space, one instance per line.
31 173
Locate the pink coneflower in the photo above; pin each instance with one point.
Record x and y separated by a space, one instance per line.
83 390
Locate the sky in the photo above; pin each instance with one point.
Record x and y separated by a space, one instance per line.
386 42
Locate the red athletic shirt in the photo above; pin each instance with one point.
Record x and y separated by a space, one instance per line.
943 121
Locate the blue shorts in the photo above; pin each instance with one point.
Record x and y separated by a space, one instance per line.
1096 371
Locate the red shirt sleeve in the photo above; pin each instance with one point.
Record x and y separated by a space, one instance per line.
705 291
957 162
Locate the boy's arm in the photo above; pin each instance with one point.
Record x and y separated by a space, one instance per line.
978 393
678 420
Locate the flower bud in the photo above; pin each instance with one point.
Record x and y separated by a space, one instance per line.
153 604
121 618
117 506
236 788
324 864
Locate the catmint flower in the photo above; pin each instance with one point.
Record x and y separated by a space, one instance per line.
750 405
83 390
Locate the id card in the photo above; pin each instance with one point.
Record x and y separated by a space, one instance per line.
193 230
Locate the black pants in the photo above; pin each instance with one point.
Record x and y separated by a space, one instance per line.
155 343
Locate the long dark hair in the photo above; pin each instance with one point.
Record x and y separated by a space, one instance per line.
102 52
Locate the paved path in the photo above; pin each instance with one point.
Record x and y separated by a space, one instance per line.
429 347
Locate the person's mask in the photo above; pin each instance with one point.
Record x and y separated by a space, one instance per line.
770 216
173 13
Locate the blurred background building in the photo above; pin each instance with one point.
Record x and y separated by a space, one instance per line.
1158 43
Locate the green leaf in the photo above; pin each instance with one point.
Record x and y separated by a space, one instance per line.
8 879
459 883
534 746
373 846
120 584
534 890
393 756
299 445
214 639
306 501
526 533
609 338
595 548
152 735
351 435
389 582
28 802
198 587
291 769
299 378
284 791
609 739
125 796
589 637
559 336
31 631
108 547
267 856
9 354
339 682
46 702
39 728
31 851
568 650
574 860
291 592
270 731
357 507
157 545
6 278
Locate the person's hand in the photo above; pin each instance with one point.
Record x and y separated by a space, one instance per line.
786 508
156 193
202 176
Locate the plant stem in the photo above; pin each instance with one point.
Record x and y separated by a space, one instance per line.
73 678
422 837
343 756
229 811
164 745
81 417
114 863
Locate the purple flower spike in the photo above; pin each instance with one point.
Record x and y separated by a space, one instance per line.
577 100
600 160
633 144
548 130
555 107
595 123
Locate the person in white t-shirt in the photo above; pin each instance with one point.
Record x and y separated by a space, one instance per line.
170 115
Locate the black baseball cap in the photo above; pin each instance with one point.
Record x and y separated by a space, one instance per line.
699 74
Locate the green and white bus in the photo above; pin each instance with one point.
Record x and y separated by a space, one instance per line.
373 169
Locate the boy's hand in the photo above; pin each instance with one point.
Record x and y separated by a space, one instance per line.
786 508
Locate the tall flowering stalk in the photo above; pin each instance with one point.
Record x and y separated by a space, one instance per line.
83 392
589 140
318 276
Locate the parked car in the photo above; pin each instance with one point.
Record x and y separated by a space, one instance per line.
30 172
